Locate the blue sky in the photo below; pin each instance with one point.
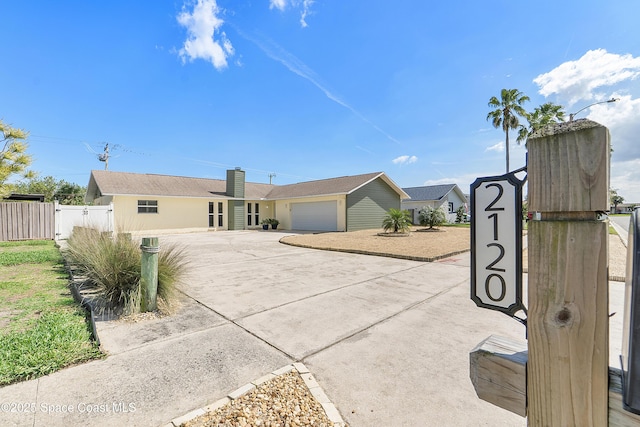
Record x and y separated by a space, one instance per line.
310 89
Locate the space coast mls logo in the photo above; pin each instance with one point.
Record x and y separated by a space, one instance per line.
496 243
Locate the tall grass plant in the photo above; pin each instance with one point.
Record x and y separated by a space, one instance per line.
112 268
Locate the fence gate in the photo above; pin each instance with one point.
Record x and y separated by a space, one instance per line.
67 217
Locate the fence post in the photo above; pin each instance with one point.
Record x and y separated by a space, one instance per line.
149 273
568 171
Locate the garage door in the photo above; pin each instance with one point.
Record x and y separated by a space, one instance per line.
320 216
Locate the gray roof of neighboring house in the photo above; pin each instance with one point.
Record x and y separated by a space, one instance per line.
430 192
110 183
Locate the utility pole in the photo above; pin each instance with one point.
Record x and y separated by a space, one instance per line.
271 175
104 157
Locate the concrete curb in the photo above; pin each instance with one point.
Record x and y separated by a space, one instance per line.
314 388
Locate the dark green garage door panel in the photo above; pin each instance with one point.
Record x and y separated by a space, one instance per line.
316 216
367 206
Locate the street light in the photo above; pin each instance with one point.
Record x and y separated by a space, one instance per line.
572 115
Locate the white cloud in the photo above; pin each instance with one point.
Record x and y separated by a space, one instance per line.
202 25
499 147
579 80
405 160
277 4
306 10
625 177
303 5
598 76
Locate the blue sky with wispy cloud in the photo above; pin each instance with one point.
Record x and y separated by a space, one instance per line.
311 89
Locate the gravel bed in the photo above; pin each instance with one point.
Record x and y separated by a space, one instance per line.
284 401
420 245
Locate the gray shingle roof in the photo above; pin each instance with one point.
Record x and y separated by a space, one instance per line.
429 192
125 183
111 183
322 187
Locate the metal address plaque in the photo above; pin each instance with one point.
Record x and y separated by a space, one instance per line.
496 243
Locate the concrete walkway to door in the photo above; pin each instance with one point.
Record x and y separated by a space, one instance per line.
388 340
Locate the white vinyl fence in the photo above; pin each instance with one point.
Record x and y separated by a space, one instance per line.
67 217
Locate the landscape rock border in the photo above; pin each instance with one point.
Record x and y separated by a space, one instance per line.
312 385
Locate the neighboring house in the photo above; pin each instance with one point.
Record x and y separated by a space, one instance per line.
449 197
173 203
623 208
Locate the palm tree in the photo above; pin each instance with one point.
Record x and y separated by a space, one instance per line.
541 117
615 199
507 110
397 219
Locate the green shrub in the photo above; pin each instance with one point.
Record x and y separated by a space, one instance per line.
111 267
460 214
431 217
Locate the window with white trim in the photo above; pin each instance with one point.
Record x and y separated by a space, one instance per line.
147 206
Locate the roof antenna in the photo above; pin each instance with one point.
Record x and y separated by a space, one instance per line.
271 175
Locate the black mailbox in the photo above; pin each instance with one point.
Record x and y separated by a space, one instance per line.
631 328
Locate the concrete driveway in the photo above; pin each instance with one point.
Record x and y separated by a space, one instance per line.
387 339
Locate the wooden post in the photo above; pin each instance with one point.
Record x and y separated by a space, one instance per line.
567 381
149 273
498 371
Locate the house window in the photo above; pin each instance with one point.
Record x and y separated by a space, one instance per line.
212 214
257 214
450 207
147 206
220 214
249 214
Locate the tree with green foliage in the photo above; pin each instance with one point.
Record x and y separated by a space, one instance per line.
66 193
69 193
432 217
542 116
506 111
13 157
615 199
46 186
398 220
460 214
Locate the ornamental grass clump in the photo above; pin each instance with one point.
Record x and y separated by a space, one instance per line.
111 267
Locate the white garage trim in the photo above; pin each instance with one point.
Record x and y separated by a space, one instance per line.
320 216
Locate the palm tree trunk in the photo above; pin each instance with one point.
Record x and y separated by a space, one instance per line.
507 147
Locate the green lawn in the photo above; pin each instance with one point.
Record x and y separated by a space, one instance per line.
42 329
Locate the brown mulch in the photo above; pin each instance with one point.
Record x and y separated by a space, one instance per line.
421 245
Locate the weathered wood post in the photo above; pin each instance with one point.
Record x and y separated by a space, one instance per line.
568 170
149 273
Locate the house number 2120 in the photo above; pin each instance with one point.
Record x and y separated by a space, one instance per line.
496 243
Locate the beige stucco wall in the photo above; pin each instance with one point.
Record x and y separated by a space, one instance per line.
173 214
283 210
